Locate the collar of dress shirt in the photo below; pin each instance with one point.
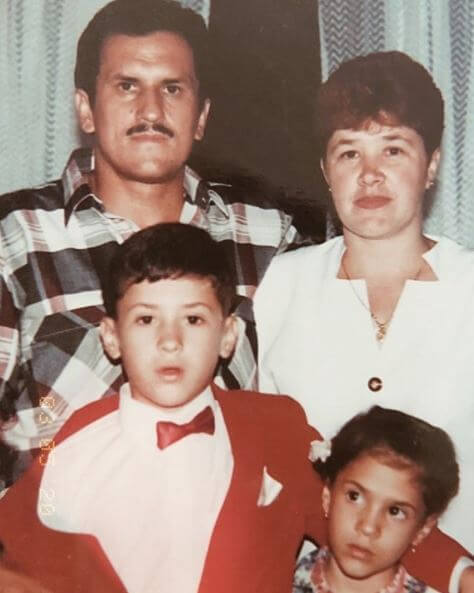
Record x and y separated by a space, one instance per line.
138 420
77 189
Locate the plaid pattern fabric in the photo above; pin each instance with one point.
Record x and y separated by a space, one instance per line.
56 242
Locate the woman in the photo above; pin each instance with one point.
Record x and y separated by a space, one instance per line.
383 314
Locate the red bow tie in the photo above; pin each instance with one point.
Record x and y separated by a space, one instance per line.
169 432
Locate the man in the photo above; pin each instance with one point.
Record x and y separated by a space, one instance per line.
142 91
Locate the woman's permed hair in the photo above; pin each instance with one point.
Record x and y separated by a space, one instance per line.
399 439
387 87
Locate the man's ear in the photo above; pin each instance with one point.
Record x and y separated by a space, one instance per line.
326 500
109 337
202 120
229 337
84 111
424 530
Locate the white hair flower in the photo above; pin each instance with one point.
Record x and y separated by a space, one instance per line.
319 450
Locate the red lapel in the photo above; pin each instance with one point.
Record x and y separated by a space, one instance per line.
62 562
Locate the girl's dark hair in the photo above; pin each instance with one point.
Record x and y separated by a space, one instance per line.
137 18
390 433
168 250
388 87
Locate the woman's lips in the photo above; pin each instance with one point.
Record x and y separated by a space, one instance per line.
372 202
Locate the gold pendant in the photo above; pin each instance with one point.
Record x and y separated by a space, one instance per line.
381 330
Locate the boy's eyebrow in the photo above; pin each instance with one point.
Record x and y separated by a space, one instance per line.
197 304
144 305
157 305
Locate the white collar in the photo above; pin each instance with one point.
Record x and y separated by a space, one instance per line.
138 419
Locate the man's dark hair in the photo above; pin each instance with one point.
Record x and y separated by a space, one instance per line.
169 250
399 440
388 87
136 18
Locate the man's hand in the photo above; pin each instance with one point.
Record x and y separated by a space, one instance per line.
466 584
13 582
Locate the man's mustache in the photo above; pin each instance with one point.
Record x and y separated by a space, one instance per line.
144 127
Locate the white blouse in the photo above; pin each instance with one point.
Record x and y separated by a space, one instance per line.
317 343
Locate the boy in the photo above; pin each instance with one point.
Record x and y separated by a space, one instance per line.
198 513
175 484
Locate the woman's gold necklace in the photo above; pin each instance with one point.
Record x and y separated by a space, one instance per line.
382 326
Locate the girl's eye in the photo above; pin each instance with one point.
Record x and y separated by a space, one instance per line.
396 512
353 495
144 320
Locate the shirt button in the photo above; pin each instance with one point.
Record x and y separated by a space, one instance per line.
375 384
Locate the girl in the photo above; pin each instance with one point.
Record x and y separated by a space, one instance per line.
388 478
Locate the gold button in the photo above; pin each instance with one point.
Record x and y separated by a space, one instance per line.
375 384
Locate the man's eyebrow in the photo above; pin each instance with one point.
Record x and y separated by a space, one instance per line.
119 76
179 80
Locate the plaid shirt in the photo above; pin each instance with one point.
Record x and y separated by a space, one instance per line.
56 242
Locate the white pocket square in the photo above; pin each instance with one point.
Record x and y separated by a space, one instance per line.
269 490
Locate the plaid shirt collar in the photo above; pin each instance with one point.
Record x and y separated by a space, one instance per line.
78 193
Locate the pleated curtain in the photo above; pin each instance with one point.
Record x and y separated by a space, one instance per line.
440 35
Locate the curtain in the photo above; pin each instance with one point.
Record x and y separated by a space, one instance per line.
440 35
38 126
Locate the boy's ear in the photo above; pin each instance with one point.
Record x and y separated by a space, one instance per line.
426 528
229 337
109 338
326 500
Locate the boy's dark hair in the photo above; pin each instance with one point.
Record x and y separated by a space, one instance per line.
397 437
168 250
137 18
388 87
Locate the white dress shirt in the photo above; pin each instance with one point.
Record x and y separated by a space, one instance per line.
153 511
317 343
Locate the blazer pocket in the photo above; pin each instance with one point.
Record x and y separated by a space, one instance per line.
269 490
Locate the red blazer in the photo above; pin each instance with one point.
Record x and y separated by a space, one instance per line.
252 548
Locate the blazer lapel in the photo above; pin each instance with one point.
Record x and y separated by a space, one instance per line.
231 531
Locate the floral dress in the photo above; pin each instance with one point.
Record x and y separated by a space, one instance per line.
310 577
